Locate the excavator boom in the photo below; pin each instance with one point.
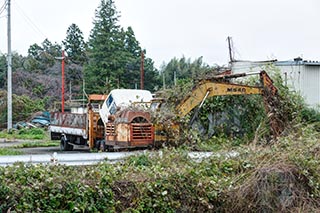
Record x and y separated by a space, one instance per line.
213 89
221 86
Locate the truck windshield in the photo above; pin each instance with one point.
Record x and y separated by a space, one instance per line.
109 101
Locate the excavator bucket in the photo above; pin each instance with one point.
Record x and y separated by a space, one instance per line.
272 103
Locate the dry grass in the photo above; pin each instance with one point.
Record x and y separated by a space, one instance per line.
274 188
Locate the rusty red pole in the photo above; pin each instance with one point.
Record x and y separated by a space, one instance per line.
62 82
142 71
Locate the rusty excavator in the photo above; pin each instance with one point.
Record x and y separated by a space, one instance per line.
221 85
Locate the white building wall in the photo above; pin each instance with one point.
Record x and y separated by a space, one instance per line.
310 86
292 76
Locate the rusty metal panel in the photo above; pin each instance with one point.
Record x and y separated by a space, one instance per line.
130 135
72 120
97 97
122 130
141 134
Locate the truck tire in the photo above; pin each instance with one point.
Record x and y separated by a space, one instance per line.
110 148
64 145
102 146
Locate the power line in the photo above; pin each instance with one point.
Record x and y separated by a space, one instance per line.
29 21
3 7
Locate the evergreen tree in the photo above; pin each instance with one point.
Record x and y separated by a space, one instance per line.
114 54
183 69
103 49
42 57
50 51
75 45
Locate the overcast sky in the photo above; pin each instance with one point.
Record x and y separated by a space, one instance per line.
261 30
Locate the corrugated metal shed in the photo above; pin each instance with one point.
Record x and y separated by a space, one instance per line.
301 75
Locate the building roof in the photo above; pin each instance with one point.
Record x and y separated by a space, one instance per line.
294 62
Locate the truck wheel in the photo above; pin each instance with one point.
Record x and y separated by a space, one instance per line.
97 144
110 149
64 145
102 146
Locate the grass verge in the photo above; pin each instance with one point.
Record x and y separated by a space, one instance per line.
9 151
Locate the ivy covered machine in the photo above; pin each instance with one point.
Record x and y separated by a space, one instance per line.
222 85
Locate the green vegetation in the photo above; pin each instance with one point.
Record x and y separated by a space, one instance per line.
28 134
114 55
184 69
281 177
9 151
37 144
23 107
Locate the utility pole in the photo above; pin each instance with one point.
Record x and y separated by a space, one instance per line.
62 79
9 60
62 82
70 91
142 71
230 49
163 80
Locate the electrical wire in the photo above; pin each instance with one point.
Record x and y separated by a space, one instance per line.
29 21
3 7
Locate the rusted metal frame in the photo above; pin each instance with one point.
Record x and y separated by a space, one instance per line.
145 136
91 141
271 103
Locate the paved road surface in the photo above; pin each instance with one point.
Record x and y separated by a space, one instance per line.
5 143
83 156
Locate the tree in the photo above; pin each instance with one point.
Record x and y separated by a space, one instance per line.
42 57
75 45
184 69
75 48
114 54
50 51
103 49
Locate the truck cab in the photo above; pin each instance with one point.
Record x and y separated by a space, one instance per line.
120 99
127 124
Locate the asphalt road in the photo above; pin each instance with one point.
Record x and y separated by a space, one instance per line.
4 143
83 156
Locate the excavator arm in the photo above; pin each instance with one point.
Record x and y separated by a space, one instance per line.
208 89
220 86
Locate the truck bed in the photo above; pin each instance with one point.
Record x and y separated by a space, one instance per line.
69 123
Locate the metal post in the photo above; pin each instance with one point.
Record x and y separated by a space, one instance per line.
62 83
9 84
70 92
163 80
230 49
